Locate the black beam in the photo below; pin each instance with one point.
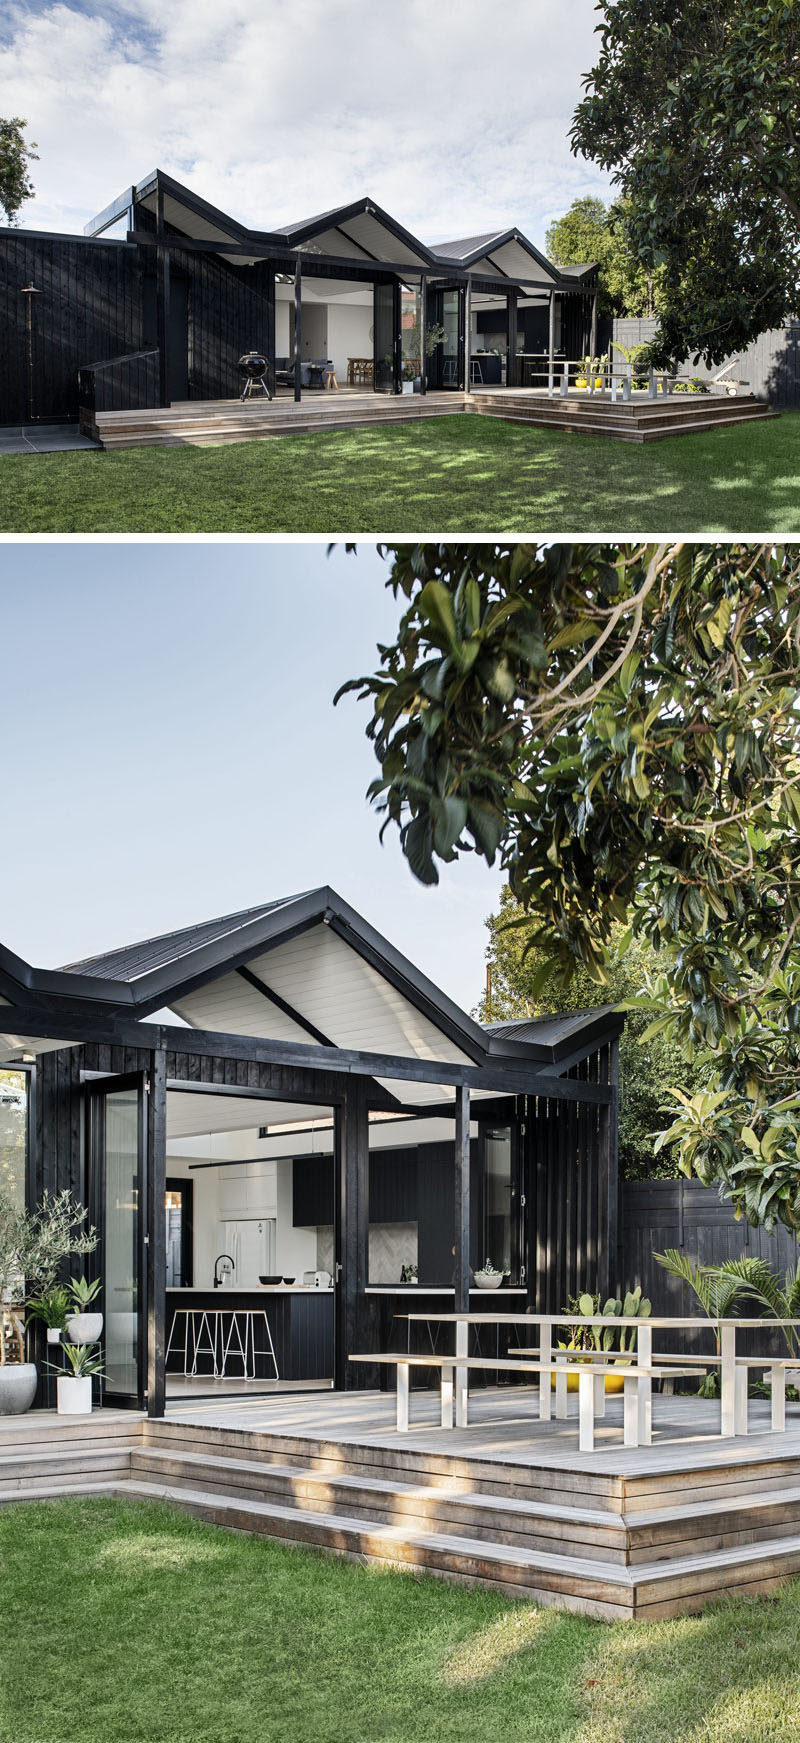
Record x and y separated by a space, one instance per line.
343 265
461 1233
156 1163
298 325
74 1026
283 1005
423 334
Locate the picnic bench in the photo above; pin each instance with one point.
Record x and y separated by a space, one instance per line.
637 1426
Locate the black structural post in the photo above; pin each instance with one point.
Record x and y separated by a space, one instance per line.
156 1164
351 1232
162 300
423 333
298 325
461 1275
511 341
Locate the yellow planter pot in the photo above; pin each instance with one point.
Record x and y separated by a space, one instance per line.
613 1382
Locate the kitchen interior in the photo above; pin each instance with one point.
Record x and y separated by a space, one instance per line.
250 1240
489 339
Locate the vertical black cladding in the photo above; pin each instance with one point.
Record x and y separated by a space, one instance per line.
98 300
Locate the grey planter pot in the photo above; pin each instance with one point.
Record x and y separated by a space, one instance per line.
17 1388
84 1328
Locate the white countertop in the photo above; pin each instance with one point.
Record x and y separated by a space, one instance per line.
426 1289
254 1289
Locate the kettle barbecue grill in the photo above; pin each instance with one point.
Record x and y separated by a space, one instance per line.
253 366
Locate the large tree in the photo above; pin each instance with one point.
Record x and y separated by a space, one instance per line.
592 231
619 724
646 1066
694 106
16 155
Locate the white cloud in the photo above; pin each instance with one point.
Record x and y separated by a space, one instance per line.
452 116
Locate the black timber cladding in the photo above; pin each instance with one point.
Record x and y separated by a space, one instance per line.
90 305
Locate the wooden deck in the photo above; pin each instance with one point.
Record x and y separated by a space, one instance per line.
201 423
507 1503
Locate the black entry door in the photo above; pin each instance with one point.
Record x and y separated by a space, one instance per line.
178 338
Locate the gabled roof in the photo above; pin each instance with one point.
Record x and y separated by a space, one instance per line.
302 968
363 228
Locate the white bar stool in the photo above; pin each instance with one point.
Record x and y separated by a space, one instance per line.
205 1316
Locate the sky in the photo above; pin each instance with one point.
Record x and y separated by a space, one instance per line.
171 751
451 116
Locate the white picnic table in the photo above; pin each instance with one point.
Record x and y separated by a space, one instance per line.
733 1397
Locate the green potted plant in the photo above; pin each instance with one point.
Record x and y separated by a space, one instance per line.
84 1327
52 1309
33 1245
603 1338
74 1388
488 1277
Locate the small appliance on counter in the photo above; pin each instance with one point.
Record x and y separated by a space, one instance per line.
316 1279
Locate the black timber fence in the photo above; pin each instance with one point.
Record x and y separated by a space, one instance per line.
770 366
656 1214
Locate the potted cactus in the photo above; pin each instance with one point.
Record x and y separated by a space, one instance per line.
84 1327
610 1339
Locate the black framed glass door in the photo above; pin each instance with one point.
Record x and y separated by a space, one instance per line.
447 363
117 1187
388 341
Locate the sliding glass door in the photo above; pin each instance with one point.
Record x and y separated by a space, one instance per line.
117 1200
387 338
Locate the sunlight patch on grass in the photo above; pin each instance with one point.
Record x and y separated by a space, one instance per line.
150 1550
483 1654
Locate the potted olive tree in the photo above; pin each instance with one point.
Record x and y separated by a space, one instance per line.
33 1244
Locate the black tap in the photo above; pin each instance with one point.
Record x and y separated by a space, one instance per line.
218 1280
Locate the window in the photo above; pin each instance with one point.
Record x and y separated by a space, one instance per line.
13 1135
498 1198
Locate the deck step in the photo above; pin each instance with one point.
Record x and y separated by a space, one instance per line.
574 1582
625 421
642 1536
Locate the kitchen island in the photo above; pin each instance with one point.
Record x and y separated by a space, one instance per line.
300 1321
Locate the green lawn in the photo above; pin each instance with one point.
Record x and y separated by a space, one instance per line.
458 474
130 1621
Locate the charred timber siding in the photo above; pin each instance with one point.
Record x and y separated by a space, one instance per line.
90 306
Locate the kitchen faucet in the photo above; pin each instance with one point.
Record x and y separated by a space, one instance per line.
217 1261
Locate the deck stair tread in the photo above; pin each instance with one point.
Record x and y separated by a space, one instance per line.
535 1560
524 1508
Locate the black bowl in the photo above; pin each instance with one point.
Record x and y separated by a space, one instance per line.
270 1279
288 1279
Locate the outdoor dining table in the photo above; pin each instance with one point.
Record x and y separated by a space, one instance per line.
730 1419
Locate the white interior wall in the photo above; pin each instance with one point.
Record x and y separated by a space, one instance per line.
348 334
283 329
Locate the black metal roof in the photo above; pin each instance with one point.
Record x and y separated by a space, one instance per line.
130 961
137 979
466 245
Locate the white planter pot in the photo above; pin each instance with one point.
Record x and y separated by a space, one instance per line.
84 1328
54 1334
408 387
74 1395
488 1279
17 1388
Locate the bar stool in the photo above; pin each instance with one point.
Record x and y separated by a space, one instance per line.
243 1351
476 373
180 1313
269 1350
205 1316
